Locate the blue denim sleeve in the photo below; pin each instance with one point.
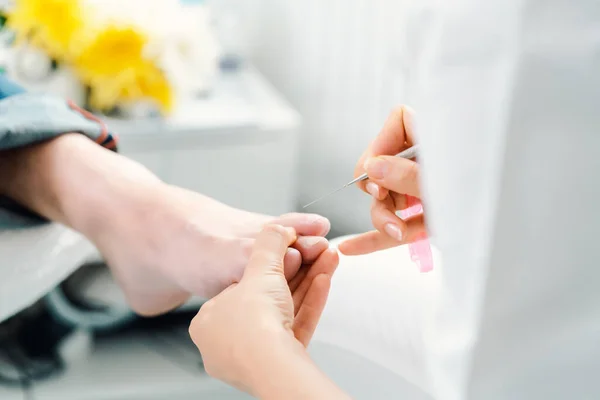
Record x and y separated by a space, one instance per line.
8 87
28 118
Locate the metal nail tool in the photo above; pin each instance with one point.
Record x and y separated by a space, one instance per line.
409 153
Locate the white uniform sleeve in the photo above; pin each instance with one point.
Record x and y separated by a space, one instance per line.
506 94
507 103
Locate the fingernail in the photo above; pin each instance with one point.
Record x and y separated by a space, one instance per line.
324 222
394 231
291 232
291 252
376 167
311 241
373 189
317 219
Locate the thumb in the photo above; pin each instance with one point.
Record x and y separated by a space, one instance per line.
269 250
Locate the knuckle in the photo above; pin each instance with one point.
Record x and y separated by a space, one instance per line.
209 369
273 229
406 171
263 255
196 328
203 319
205 314
279 232
193 329
266 258
246 247
412 171
207 306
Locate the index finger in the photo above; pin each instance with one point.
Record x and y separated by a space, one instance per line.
269 250
397 134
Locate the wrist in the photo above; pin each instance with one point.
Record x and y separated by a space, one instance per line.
264 368
287 371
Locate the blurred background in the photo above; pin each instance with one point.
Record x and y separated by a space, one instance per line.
262 104
341 65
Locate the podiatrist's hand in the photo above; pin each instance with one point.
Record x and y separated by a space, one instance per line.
391 179
261 322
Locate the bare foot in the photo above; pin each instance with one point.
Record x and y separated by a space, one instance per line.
172 243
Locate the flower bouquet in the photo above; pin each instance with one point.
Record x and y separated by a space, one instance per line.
113 56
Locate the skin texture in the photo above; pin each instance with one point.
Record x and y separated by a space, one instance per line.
390 180
260 347
161 242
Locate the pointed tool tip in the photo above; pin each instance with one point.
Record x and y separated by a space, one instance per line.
323 197
309 204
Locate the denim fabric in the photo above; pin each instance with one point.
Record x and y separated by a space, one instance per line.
27 118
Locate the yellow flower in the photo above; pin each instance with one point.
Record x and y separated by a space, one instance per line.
105 92
113 51
108 59
114 66
52 25
152 84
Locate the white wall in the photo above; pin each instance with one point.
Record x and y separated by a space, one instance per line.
342 64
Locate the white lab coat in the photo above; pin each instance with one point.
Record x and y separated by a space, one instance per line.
507 95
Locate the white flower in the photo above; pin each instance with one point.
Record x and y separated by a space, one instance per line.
181 38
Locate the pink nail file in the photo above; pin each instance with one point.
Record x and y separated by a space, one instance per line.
420 249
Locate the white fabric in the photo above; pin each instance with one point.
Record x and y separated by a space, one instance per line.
34 260
507 95
376 309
